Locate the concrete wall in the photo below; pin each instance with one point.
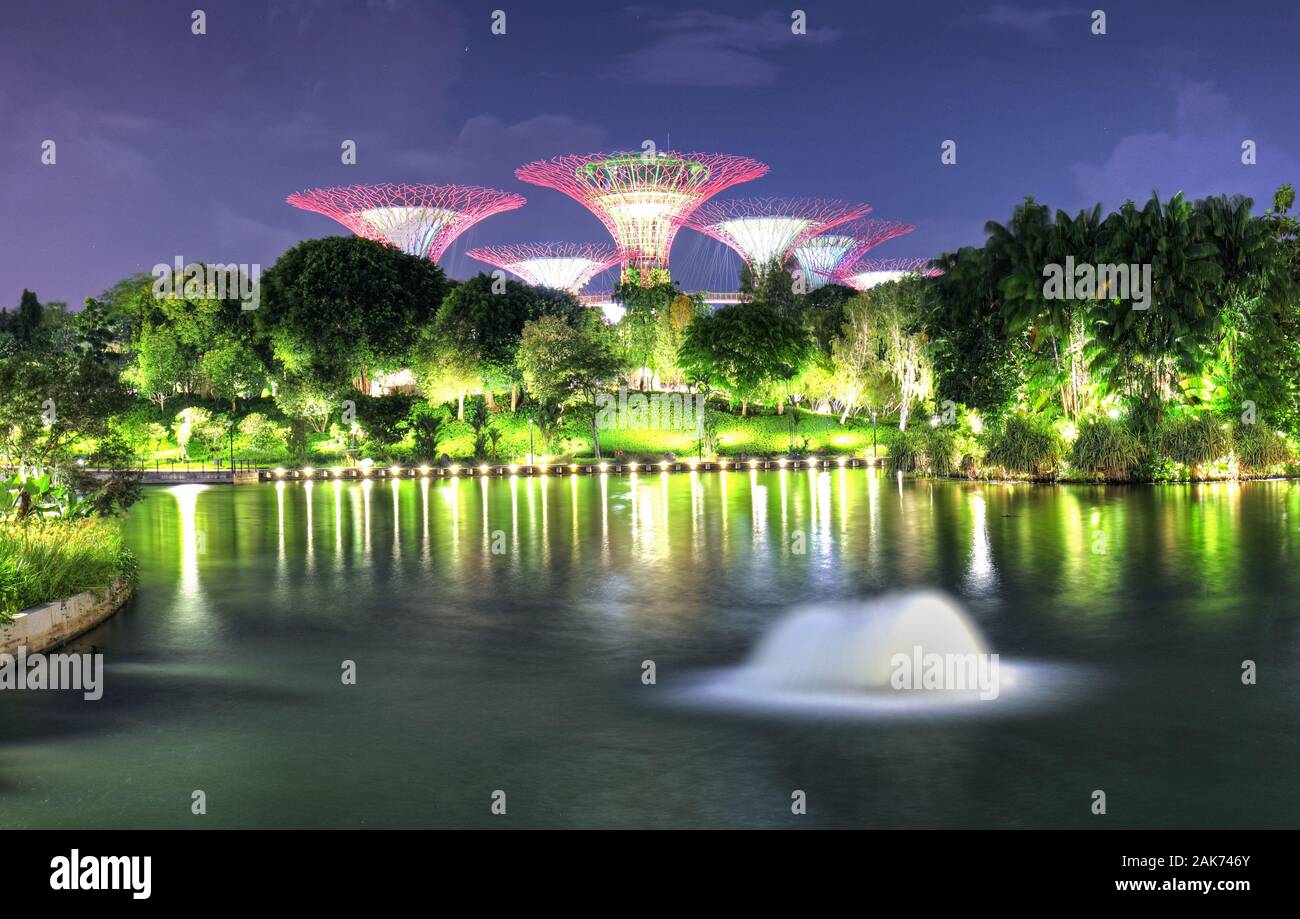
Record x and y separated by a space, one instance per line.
52 624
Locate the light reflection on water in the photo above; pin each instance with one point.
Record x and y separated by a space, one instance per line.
1134 605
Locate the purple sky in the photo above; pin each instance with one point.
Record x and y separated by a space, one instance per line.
174 144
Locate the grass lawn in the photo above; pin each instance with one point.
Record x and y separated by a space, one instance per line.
47 559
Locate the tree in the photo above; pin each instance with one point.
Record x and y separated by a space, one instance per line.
860 372
563 365
904 345
161 367
483 318
336 309
744 350
232 370
643 322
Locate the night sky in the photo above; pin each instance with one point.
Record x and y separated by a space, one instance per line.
173 144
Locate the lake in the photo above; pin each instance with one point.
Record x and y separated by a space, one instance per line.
499 632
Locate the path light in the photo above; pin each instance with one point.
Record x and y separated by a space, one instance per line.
691 463
455 470
604 466
843 460
753 464
279 472
336 471
781 462
541 468
573 467
308 471
483 469
395 470
424 470
514 467
663 464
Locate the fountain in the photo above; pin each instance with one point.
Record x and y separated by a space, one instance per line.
911 652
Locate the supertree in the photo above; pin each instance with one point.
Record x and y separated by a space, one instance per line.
869 274
642 198
418 219
764 231
829 257
563 266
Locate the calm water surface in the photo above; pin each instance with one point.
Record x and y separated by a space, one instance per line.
521 671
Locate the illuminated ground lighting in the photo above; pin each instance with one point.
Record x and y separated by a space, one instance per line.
514 468
562 266
753 464
484 469
664 465
395 470
765 231
869 274
420 220
336 472
603 467
843 461
308 471
279 472
830 257
642 198
455 470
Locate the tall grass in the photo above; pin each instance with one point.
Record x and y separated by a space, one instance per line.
1260 450
1195 440
44 560
1024 446
1106 447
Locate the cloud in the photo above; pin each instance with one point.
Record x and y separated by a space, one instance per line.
1037 21
702 48
488 150
246 240
1199 155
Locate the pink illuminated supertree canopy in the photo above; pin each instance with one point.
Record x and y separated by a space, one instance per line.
765 231
420 220
642 198
563 266
868 274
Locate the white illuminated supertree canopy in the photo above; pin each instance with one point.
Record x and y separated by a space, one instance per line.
832 258
870 274
766 231
819 256
563 266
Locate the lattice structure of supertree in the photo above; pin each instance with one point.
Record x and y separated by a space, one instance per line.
828 258
869 274
764 231
420 220
563 266
642 198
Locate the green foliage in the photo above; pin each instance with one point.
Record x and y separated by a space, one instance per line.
1024 445
1260 450
384 418
745 350
907 451
261 434
335 307
24 497
1107 448
52 559
428 427
1195 439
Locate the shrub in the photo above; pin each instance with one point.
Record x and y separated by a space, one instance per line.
907 451
48 560
1025 446
941 450
1259 449
1195 439
260 433
1106 447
